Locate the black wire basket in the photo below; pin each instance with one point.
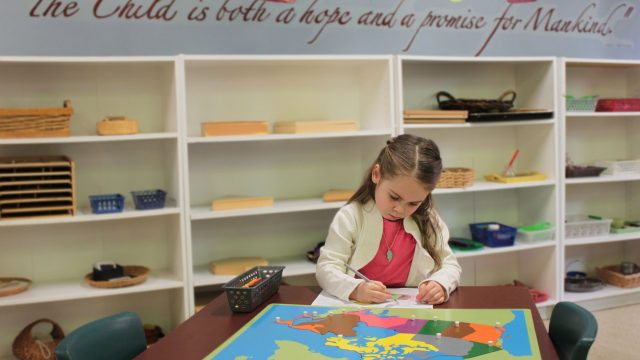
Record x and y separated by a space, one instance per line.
243 298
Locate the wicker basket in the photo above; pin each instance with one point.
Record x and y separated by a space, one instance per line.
610 274
25 347
456 178
476 105
45 122
138 275
117 125
13 285
246 299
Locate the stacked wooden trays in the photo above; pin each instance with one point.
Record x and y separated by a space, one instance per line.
36 187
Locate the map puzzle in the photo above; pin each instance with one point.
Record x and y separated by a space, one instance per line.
322 333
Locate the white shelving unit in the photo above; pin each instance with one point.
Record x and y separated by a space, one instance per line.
294 169
486 147
595 136
172 96
56 253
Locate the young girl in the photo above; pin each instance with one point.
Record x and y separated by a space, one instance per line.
390 232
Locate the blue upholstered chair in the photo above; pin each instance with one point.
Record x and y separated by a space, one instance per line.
573 330
117 337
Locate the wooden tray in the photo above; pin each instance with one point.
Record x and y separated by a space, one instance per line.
138 275
13 285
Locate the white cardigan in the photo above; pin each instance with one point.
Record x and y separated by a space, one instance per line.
354 237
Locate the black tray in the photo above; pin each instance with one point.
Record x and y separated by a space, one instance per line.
510 116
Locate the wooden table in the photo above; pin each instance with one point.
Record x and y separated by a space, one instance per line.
201 334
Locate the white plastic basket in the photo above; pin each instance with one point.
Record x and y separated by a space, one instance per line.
620 167
528 236
578 226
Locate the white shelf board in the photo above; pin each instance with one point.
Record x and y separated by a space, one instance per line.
602 114
481 185
280 206
293 267
603 179
87 216
272 137
505 249
607 292
89 139
78 289
602 239
479 124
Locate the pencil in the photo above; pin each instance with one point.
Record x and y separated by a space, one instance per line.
366 279
358 273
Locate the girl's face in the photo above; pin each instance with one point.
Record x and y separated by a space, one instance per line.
399 196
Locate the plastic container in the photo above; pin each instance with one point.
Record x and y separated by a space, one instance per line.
577 226
106 204
246 299
149 199
620 167
493 234
585 103
535 233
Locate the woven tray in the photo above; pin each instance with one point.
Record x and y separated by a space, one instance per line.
138 275
611 275
43 122
13 285
476 105
456 178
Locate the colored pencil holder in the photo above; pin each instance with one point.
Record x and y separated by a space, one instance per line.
246 299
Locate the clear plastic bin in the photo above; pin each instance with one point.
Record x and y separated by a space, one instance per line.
577 226
535 233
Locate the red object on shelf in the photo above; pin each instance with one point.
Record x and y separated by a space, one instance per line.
630 104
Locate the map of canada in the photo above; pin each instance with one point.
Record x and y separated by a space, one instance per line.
316 332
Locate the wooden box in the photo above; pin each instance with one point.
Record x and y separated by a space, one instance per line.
235 265
231 203
226 128
38 122
117 125
36 187
337 195
299 127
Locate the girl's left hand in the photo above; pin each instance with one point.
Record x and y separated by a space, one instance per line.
431 293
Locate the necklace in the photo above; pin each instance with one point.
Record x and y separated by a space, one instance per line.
389 252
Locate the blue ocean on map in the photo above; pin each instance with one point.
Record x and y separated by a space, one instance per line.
515 339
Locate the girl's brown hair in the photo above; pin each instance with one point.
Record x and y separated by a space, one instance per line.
419 158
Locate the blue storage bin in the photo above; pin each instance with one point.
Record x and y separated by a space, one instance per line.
149 199
106 204
502 236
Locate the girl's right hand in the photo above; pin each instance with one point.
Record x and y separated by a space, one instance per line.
370 292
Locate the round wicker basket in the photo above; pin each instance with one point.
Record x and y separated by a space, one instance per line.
456 177
138 275
13 285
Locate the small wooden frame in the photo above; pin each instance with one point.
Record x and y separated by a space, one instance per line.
231 203
299 127
117 125
226 128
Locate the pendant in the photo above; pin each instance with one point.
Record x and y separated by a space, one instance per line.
389 255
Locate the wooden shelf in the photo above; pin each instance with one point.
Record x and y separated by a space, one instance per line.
470 125
482 185
89 139
280 206
603 179
276 137
602 239
607 292
506 249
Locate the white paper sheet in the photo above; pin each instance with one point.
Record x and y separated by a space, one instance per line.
402 298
